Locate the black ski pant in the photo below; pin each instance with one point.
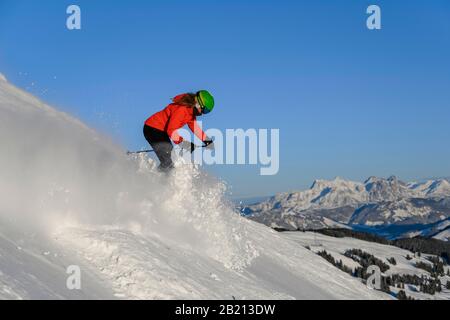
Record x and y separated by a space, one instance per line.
161 144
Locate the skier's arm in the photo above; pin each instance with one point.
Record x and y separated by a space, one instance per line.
195 128
175 122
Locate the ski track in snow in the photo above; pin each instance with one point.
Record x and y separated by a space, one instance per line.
71 197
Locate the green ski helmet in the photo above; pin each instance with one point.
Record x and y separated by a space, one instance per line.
206 101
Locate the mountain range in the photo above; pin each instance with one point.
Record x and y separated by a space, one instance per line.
378 204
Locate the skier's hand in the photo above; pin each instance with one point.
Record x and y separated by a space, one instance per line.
187 145
208 144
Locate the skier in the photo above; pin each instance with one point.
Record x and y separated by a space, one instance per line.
162 127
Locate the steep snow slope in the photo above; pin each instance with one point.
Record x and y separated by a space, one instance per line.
34 267
71 197
142 267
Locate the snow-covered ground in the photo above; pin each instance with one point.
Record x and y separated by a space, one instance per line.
440 231
443 235
337 247
69 196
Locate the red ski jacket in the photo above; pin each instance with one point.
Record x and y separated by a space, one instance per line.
175 116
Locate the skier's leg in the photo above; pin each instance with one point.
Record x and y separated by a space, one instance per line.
164 150
162 146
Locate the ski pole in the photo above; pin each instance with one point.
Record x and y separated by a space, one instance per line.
151 150
136 152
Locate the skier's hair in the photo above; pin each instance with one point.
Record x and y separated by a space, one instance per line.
187 99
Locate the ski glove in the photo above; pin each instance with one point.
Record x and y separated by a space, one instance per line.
208 144
188 146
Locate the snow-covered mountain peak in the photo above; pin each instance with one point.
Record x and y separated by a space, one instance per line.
392 178
377 201
439 186
2 77
335 184
372 179
320 184
380 189
431 188
341 192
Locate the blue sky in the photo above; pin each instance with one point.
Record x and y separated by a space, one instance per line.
348 102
